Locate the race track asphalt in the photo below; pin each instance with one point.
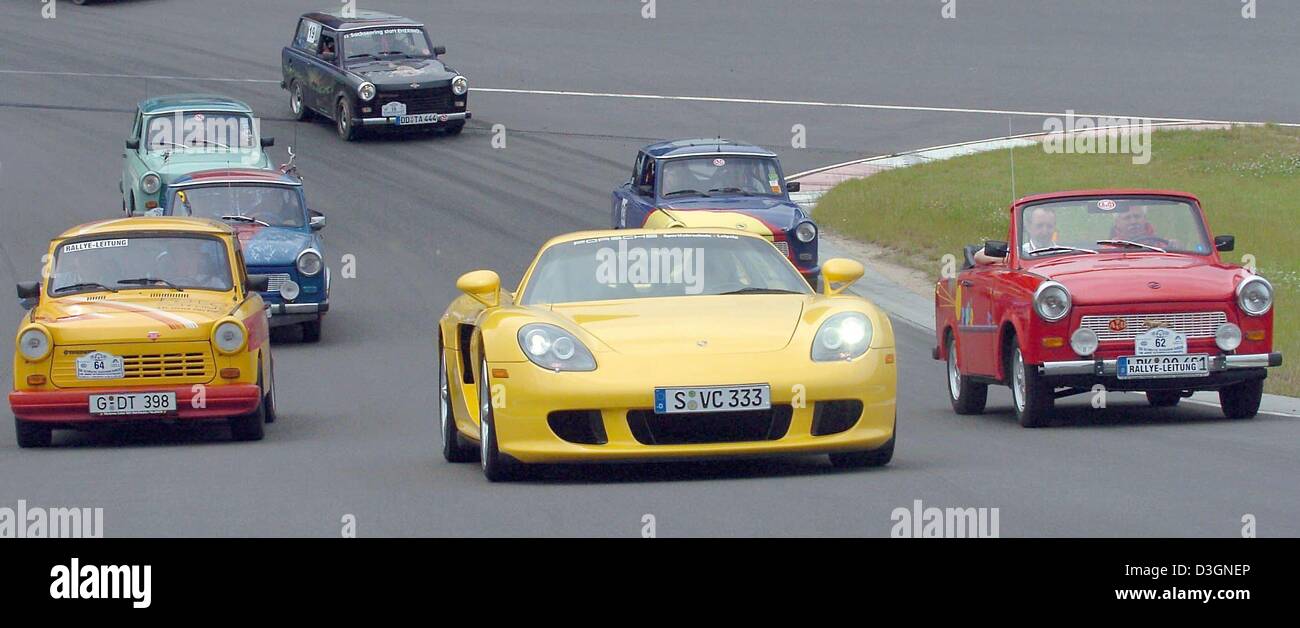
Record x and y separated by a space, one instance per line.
357 431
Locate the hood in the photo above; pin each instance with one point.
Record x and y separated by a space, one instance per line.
271 246
96 319
1127 278
720 211
400 73
753 323
186 162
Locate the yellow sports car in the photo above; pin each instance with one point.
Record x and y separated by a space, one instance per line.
664 344
142 319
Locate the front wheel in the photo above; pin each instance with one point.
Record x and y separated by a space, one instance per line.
966 397
496 467
31 434
1034 399
453 447
251 426
1241 401
344 123
296 103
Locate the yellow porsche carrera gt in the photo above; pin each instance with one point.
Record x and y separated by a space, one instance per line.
664 344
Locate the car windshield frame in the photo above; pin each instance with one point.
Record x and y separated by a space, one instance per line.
249 137
112 286
346 40
300 212
1201 247
709 189
786 278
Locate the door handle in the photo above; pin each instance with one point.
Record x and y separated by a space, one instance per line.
966 283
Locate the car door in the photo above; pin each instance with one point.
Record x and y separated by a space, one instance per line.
623 195
297 57
324 71
132 164
977 328
641 192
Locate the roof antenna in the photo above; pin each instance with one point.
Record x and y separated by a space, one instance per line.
1011 148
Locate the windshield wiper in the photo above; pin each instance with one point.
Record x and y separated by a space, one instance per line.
1061 247
1132 243
761 291
732 191
82 286
676 192
242 218
363 54
149 281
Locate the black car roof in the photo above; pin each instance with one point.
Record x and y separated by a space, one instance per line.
335 20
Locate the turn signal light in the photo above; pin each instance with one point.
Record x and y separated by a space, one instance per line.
889 358
1257 334
1053 342
500 373
230 373
35 380
151 204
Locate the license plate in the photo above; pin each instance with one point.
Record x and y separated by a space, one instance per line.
393 109
713 399
132 403
1160 341
1160 366
423 118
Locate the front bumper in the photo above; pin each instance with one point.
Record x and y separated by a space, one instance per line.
443 118
73 406
293 313
1109 368
1224 370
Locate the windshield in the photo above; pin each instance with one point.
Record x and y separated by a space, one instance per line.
1110 225
134 262
200 131
273 205
381 43
721 174
659 265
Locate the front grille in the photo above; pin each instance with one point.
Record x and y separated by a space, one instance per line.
697 428
1193 324
276 281
417 101
180 362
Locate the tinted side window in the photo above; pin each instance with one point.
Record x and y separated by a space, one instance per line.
327 44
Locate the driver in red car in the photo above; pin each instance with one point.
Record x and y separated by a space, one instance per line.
1131 224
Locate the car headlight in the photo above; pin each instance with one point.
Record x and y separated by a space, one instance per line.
842 337
1052 301
309 263
366 90
150 183
1084 341
1255 296
289 290
229 337
1228 337
805 232
553 348
459 85
34 343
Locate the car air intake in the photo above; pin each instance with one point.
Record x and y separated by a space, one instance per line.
833 417
583 427
697 428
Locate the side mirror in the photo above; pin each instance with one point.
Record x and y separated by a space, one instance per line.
968 255
133 144
996 248
842 272
29 293
483 286
439 51
1225 243
268 141
792 186
259 283
317 220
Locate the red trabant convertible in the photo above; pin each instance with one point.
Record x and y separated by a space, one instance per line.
1122 288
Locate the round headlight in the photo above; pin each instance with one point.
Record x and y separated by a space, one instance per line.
366 91
229 337
289 290
1228 337
34 344
554 349
537 343
150 183
842 337
309 263
805 232
1255 296
563 347
459 85
1084 341
1052 301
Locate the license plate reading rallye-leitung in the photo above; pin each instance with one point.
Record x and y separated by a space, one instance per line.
132 403
713 399
1157 366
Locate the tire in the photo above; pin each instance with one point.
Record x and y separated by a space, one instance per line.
966 397
1031 397
877 457
1241 401
130 208
496 467
453 445
252 426
1164 398
297 105
344 124
454 128
269 399
31 434
311 330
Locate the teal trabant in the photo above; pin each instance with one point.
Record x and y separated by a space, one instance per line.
175 135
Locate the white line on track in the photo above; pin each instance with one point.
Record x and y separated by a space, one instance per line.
663 97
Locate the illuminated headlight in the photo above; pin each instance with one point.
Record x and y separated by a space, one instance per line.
289 290
1255 296
229 337
805 232
150 183
34 343
1228 337
459 85
1084 341
309 263
842 337
366 91
553 348
1052 301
